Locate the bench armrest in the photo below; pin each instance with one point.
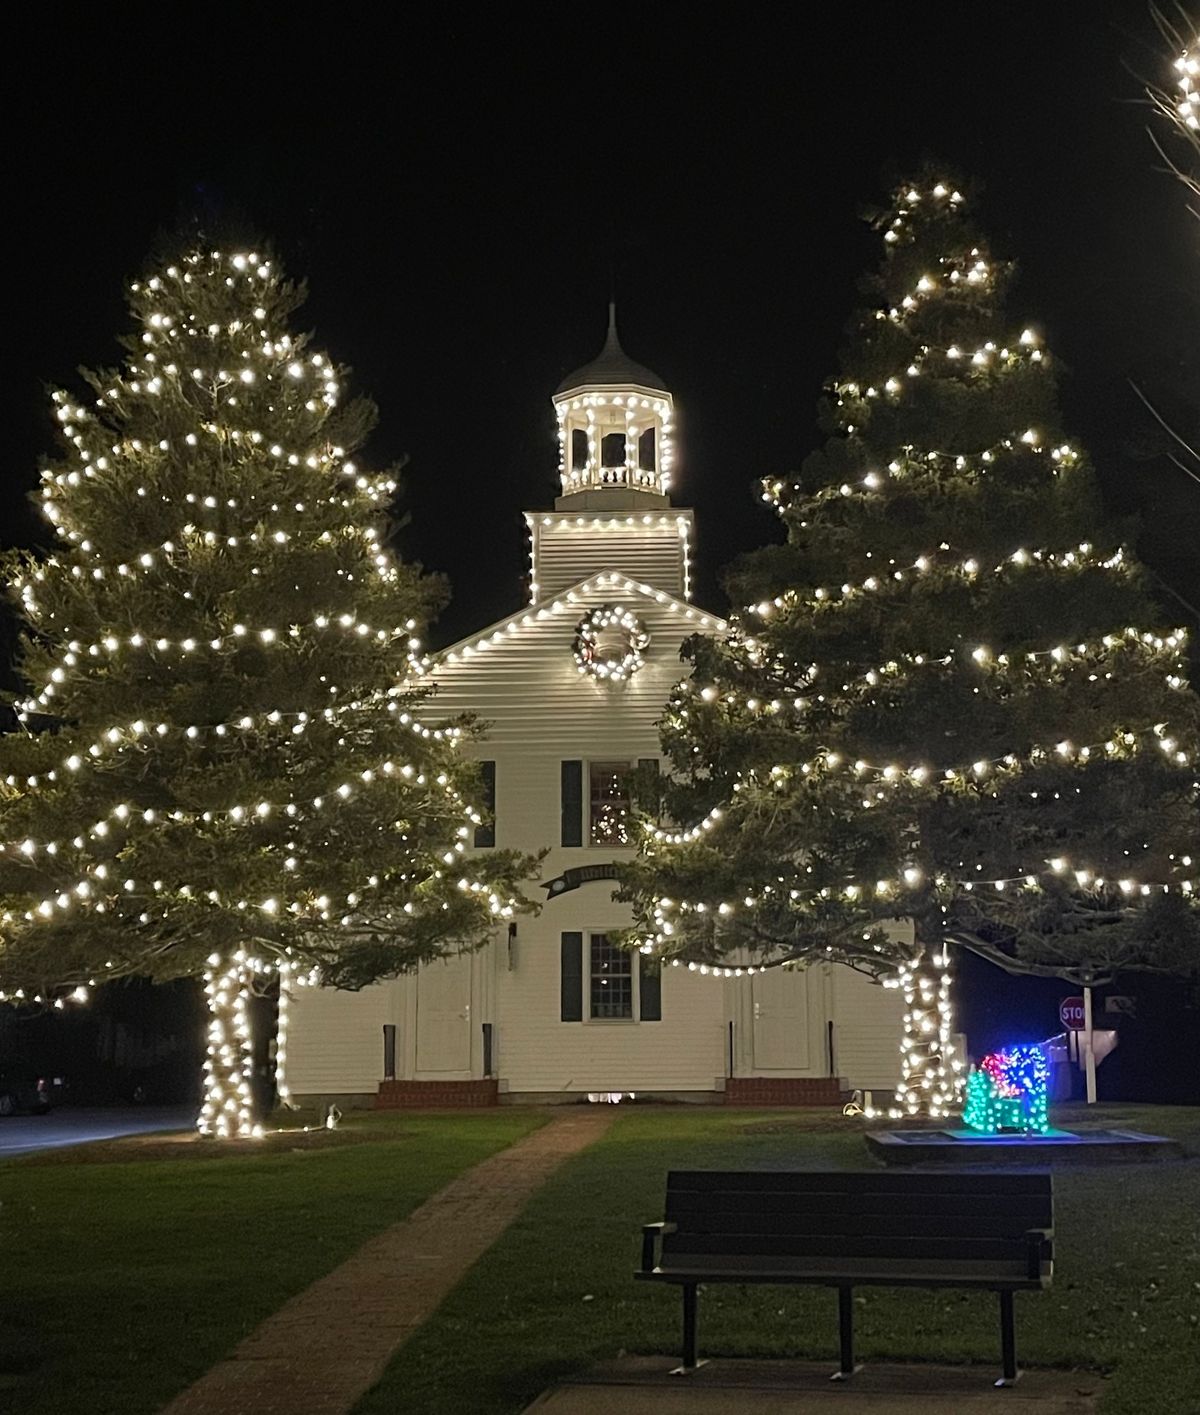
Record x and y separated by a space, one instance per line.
650 1232
1039 1245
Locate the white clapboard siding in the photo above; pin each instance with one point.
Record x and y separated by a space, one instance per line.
538 1053
335 1042
656 548
520 677
868 1024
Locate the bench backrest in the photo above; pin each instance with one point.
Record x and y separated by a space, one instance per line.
781 1215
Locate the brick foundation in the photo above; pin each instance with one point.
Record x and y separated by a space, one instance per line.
783 1090
436 1095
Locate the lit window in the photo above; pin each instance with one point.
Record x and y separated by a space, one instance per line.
611 971
609 812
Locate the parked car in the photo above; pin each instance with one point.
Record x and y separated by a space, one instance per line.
24 1088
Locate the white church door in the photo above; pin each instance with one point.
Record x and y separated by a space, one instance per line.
784 1025
444 1020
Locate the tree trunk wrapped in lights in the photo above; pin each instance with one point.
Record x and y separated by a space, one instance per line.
951 697
228 1107
929 1073
226 748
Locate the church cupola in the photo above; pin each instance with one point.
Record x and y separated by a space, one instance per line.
615 427
614 517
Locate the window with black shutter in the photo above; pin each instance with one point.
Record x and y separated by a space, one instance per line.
571 978
572 803
485 834
610 972
649 988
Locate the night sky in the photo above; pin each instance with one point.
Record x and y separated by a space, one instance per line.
456 191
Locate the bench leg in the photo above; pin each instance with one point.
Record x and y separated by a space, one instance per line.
845 1334
1008 1340
690 1343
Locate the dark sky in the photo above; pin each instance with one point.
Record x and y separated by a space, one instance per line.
455 188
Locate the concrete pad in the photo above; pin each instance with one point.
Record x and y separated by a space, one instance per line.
639 1384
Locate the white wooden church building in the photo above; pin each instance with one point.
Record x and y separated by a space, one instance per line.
550 1010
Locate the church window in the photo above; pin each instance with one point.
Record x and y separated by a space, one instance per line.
611 971
612 449
610 808
601 982
646 451
579 449
485 834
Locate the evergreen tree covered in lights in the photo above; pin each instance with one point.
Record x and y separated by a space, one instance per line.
952 698
225 764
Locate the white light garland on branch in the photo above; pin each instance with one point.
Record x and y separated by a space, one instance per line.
913 880
987 358
1082 557
239 637
1119 746
778 493
132 734
821 889
299 497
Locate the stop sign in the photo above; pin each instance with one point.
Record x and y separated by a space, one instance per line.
1071 1014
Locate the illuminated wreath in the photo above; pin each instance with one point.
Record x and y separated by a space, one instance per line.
609 643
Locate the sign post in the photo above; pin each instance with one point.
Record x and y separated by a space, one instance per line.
1089 1048
1075 1013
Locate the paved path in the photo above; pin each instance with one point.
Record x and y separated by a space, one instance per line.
327 1346
642 1384
26 1134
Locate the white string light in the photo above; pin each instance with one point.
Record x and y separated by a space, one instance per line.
777 493
570 602
227 1111
830 596
282 1024
299 496
240 637
930 1076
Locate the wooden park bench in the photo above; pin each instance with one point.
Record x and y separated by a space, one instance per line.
848 1230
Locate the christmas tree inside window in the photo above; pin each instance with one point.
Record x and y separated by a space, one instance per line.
610 804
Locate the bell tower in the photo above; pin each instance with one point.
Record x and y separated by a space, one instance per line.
616 425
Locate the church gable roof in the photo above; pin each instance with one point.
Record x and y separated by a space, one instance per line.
520 676
574 600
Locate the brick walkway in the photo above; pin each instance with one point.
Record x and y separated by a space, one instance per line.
327 1346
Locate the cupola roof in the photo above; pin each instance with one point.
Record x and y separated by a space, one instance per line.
612 368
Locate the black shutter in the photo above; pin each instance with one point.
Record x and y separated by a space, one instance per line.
651 762
485 834
650 988
572 803
572 978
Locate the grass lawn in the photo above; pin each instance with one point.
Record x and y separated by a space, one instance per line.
557 1291
129 1268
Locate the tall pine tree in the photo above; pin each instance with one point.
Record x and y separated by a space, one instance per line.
224 765
951 697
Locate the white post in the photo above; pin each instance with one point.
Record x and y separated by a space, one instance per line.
1089 1050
